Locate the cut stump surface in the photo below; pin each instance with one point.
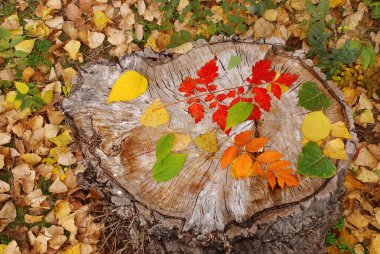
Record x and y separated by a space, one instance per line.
203 198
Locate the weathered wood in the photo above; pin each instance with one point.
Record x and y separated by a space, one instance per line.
243 216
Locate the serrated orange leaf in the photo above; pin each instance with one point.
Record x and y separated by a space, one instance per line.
243 137
269 156
228 156
256 144
271 179
279 165
256 167
242 166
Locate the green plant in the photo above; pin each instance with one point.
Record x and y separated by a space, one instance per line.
29 96
40 53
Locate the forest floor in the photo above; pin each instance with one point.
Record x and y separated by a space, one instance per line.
43 43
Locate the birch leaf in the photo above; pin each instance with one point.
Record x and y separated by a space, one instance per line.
129 86
155 115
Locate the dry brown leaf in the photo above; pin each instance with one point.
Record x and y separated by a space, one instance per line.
58 187
374 248
95 39
73 12
7 214
367 176
357 219
365 158
262 28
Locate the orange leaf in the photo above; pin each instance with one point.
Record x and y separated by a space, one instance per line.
269 156
256 167
256 144
241 167
284 176
228 156
278 165
243 137
271 179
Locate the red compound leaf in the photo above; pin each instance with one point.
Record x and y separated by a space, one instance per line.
276 90
196 111
187 86
220 116
207 73
256 114
261 72
286 79
262 97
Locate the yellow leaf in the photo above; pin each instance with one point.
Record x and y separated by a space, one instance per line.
2 247
316 126
151 42
22 87
37 28
62 140
366 176
336 3
339 130
47 96
181 141
365 118
374 248
207 142
31 158
25 46
334 149
155 115
129 85
74 249
62 209
72 47
183 49
100 19
358 220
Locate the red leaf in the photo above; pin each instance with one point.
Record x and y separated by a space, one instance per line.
207 73
276 90
256 114
240 90
231 94
201 89
286 79
262 97
220 116
211 88
221 97
209 97
196 111
190 101
213 104
261 72
187 86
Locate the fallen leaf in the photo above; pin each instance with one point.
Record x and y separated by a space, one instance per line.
25 46
352 20
100 19
129 85
182 49
256 144
374 247
243 138
234 62
334 149
241 167
95 39
7 215
311 98
365 158
269 156
5 138
155 115
366 176
228 156
262 28
31 158
336 3
339 130
73 12
207 142
151 42
358 220
63 139
316 126
72 47
181 141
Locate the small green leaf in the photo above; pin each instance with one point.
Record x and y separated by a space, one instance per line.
4 34
16 40
20 53
367 56
238 113
311 98
38 100
312 162
22 87
323 8
169 167
234 61
163 146
26 103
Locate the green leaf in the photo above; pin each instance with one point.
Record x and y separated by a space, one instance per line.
38 100
238 113
4 34
169 167
234 61
16 40
367 56
311 98
26 103
312 162
323 8
20 53
163 146
4 44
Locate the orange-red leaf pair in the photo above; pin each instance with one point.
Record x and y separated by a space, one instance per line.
242 167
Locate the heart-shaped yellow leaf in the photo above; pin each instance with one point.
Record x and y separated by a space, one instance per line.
316 126
155 115
129 86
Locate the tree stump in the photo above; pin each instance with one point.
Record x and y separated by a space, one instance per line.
203 209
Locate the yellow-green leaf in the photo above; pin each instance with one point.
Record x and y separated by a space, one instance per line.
100 19
155 115
25 46
334 149
62 140
21 87
207 142
129 86
316 126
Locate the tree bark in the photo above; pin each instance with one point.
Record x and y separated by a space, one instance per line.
203 209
